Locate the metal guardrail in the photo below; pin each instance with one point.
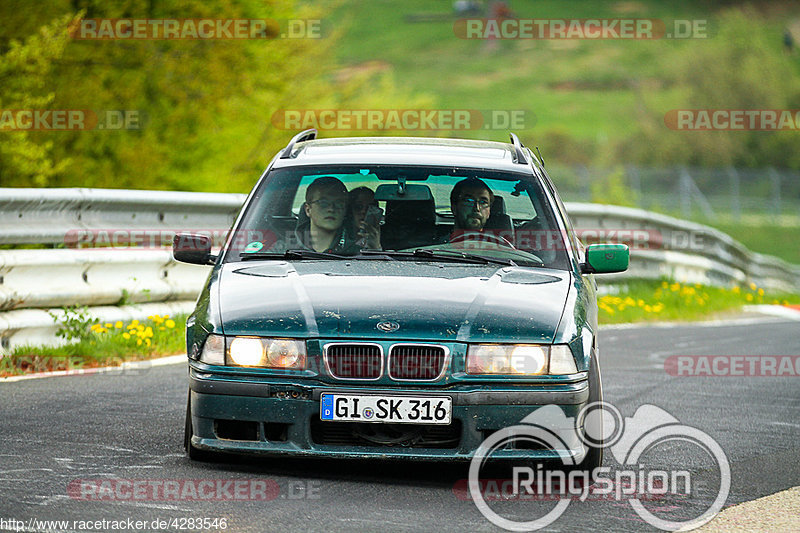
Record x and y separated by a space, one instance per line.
135 281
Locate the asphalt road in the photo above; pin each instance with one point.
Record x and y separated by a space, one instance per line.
55 431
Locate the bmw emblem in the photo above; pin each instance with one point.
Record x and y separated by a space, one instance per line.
388 326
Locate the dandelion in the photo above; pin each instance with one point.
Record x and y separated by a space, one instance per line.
126 336
148 332
736 290
761 292
648 309
118 324
640 303
147 342
675 287
108 325
138 342
96 328
753 286
664 285
749 297
170 323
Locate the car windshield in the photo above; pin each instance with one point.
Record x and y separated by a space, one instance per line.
405 212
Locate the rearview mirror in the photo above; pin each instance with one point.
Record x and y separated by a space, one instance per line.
402 191
606 258
192 248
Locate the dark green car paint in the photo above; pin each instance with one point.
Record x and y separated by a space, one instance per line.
448 304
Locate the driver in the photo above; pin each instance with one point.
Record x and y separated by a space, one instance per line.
471 204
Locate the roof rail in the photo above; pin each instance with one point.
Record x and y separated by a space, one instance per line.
306 135
520 155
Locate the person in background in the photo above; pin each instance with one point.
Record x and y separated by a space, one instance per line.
365 215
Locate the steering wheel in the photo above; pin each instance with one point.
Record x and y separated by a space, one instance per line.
482 237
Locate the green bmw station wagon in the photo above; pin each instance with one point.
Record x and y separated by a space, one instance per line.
393 298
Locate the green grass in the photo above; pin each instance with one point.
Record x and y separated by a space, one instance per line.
102 345
641 301
588 89
767 238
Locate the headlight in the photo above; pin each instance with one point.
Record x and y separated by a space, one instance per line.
246 351
268 353
213 350
520 359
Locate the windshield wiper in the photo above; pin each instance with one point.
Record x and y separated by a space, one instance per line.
291 255
443 255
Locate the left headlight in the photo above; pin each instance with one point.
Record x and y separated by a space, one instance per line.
267 353
520 359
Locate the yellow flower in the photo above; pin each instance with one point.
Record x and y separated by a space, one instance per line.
96 327
749 297
664 285
126 336
134 322
118 324
648 309
675 287
761 292
166 316
148 332
147 342
753 286
640 303
736 290
108 325
170 323
140 327
138 342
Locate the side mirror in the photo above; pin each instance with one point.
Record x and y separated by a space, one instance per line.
606 258
193 248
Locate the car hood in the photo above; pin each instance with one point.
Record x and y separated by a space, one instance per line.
434 301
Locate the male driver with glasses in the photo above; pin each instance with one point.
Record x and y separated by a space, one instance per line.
471 204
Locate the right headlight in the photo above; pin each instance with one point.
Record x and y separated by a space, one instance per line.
260 352
520 359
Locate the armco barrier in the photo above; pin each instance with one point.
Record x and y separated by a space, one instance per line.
133 282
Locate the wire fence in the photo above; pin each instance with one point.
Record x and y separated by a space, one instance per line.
702 194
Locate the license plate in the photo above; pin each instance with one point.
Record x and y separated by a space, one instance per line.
394 409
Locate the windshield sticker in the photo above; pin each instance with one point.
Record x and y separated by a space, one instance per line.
253 247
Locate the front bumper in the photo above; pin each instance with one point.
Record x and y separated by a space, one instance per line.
279 416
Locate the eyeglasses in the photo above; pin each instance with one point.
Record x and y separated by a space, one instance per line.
471 202
324 203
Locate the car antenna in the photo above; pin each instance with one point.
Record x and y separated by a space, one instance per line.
540 155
